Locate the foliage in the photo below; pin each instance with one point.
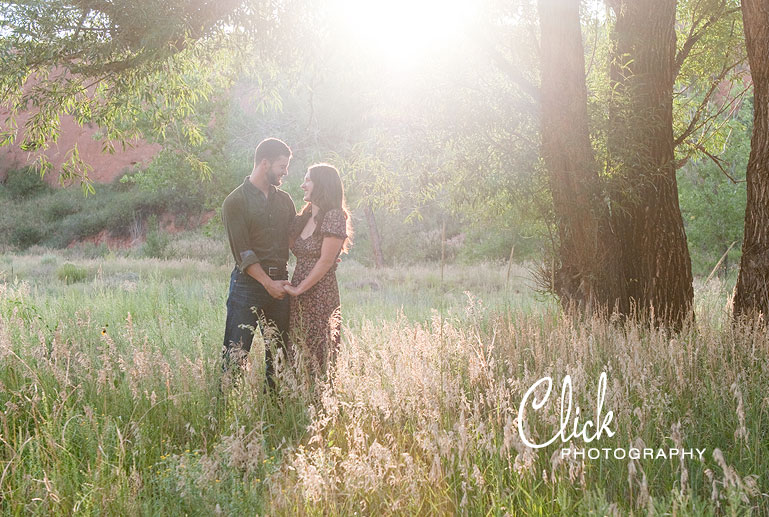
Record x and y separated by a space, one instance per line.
60 207
127 67
713 201
70 273
22 184
62 217
710 85
156 242
26 234
435 142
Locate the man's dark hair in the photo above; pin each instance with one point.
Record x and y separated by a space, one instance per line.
271 149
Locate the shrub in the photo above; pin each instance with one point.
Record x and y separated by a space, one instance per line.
61 217
25 183
26 234
157 241
70 273
75 227
58 207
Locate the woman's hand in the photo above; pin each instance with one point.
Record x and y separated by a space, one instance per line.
276 288
291 290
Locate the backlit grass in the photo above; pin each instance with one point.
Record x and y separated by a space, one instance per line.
109 392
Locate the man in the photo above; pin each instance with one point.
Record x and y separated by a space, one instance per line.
258 217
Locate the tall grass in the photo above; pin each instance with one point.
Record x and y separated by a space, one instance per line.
109 392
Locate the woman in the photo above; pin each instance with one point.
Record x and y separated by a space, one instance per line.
321 232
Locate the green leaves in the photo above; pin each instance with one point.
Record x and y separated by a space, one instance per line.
711 81
130 67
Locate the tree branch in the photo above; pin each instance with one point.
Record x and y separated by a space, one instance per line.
694 37
715 160
701 108
720 111
514 74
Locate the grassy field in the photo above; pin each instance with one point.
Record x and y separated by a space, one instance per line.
109 375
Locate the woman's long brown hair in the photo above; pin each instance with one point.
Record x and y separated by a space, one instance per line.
327 194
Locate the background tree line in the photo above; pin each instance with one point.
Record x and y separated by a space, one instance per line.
607 141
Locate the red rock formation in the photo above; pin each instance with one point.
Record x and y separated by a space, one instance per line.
104 167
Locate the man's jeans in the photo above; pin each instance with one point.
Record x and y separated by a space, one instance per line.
249 304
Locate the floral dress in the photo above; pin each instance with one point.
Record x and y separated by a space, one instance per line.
315 314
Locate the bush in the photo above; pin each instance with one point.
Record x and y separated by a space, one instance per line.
25 183
60 217
70 273
156 244
74 228
58 207
26 235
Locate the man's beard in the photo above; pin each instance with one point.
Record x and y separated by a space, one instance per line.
273 178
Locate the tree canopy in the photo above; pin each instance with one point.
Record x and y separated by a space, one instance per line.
448 134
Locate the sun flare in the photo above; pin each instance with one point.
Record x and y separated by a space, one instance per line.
401 32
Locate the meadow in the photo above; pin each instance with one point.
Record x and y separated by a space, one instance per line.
110 400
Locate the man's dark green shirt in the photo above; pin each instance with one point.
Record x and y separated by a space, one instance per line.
257 226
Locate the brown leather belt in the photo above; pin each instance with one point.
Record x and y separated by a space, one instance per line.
275 272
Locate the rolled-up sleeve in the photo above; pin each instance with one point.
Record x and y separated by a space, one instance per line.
233 217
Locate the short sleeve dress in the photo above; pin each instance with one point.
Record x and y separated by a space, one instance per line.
315 314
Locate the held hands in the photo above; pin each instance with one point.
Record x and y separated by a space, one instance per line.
276 288
293 291
279 288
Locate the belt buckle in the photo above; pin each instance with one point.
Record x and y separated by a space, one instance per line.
272 270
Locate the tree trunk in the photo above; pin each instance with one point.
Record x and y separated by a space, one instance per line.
376 241
588 273
752 292
644 199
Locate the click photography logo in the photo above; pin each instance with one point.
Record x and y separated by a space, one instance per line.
575 427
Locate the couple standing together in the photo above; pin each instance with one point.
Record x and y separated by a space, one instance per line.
262 225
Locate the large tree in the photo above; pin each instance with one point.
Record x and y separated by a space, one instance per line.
644 199
752 291
588 270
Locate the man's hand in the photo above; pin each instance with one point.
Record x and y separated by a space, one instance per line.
276 288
